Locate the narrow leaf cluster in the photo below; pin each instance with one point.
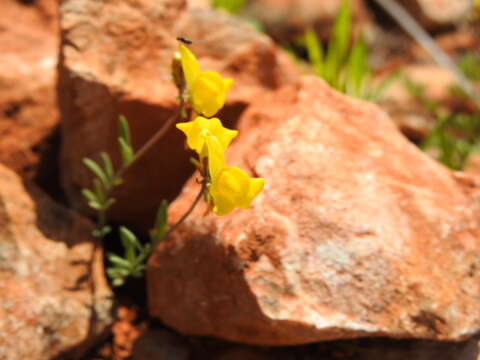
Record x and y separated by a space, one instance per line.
132 262
126 150
344 68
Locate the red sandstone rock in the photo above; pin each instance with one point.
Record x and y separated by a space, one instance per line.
47 306
28 112
116 59
357 233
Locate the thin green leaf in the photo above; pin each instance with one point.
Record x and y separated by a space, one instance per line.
161 221
118 261
100 233
95 205
107 165
124 129
138 271
92 199
99 191
342 28
357 68
114 272
130 237
314 51
117 282
108 203
130 243
98 171
89 195
126 151
338 44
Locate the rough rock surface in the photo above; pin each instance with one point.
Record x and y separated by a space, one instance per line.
436 13
357 233
286 19
28 111
47 306
116 59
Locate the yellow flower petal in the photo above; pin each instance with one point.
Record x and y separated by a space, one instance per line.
197 130
192 134
255 187
208 92
228 83
208 89
190 66
224 135
233 188
216 157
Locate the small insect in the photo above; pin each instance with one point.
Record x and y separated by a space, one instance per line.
184 40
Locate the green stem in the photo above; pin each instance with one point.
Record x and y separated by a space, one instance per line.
188 212
203 189
152 141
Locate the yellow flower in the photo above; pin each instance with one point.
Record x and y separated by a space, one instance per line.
230 187
197 131
207 88
233 188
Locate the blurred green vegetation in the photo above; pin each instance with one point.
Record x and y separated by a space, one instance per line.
342 66
456 134
99 198
230 6
235 7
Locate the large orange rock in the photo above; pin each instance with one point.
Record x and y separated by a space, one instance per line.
116 59
28 111
357 233
52 300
